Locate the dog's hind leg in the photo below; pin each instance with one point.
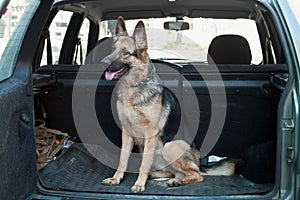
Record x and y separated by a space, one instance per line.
161 174
191 176
127 144
182 159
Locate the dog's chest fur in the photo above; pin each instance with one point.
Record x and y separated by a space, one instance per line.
140 109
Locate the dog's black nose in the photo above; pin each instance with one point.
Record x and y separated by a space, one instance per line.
106 61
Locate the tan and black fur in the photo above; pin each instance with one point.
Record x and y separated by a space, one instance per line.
143 115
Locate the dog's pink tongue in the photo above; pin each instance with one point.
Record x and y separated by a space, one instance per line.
110 75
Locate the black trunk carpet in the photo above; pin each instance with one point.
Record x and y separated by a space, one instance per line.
77 170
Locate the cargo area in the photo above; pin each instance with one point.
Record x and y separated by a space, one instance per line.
76 170
249 132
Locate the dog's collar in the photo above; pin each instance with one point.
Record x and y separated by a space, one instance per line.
144 82
151 76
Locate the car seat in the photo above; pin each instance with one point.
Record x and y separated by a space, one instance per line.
229 49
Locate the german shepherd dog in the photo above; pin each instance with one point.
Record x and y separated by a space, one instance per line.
143 114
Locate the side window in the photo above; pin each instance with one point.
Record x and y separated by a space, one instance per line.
82 42
13 24
57 31
56 35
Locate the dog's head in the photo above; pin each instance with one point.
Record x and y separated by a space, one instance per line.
127 52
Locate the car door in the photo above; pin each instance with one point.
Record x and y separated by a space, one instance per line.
290 166
20 27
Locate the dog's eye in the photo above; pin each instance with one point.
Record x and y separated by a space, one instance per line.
126 53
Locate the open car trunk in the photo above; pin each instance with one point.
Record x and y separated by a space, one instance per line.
229 68
236 113
249 133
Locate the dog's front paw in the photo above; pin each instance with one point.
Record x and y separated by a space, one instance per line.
174 182
111 181
138 188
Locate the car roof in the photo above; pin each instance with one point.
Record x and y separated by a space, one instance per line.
132 9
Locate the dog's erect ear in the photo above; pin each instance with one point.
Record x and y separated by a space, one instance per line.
120 27
140 37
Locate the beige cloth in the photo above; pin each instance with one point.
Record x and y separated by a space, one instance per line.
48 143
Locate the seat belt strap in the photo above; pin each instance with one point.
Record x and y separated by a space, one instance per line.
78 48
46 35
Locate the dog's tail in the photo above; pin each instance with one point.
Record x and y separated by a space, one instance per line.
225 167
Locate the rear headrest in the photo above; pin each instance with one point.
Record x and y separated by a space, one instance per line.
229 49
102 48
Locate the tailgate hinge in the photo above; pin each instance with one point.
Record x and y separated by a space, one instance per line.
288 126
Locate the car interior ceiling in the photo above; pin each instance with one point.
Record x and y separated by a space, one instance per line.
256 95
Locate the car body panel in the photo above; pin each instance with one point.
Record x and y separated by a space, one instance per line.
17 145
290 186
17 121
